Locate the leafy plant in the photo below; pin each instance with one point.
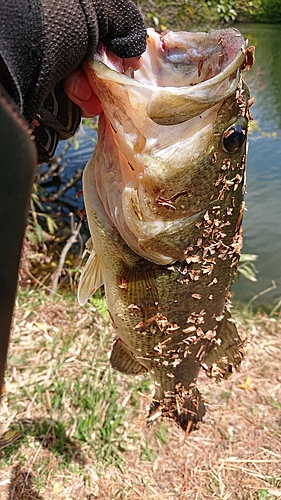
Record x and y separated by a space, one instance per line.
202 14
230 10
247 267
35 232
269 11
225 9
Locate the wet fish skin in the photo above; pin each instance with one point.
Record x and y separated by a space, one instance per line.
149 175
170 317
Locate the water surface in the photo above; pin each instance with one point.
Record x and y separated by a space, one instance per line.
262 221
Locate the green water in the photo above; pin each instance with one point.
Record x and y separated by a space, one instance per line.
262 221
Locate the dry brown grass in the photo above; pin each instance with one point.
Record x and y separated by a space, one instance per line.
236 453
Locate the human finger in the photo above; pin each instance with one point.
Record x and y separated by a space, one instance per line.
79 91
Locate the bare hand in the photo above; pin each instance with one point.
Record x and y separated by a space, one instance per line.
79 90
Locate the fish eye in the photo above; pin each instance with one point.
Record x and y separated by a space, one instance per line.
234 137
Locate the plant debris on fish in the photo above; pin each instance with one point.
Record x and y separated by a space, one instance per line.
164 199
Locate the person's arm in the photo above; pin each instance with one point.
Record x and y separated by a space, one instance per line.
17 169
41 42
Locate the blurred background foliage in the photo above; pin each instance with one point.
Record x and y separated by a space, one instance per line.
189 14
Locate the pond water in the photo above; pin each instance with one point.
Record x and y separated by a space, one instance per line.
262 221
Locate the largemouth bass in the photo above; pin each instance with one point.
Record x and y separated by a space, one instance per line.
163 195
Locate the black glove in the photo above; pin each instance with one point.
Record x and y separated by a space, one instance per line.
41 42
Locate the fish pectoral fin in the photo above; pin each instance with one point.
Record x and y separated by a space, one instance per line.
226 352
91 277
142 290
124 361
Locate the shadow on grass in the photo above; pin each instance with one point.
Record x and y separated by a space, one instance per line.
51 434
21 486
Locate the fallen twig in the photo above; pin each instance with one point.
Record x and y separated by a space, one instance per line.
77 176
75 229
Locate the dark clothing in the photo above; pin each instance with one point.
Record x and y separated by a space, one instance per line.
41 42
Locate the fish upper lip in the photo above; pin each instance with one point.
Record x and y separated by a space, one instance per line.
218 53
163 49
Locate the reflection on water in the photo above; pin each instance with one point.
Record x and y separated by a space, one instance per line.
262 221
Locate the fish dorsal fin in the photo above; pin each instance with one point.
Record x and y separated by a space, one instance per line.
91 278
122 359
227 350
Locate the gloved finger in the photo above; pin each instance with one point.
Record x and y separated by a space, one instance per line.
121 27
57 119
41 42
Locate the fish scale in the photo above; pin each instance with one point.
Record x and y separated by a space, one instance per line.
166 230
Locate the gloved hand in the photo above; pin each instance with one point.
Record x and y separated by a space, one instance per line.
41 42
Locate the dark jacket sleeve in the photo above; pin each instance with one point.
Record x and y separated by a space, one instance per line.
43 41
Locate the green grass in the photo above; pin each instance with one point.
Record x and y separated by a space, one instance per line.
79 394
275 404
81 422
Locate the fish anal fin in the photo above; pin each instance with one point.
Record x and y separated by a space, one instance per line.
226 352
122 359
91 278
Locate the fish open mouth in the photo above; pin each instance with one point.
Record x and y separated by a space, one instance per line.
159 126
184 59
198 69
181 59
202 56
